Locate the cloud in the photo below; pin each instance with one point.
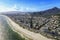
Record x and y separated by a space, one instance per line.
27 9
15 8
4 8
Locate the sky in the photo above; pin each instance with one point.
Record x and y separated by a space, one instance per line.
28 5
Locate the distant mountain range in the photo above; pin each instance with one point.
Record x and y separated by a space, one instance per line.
52 11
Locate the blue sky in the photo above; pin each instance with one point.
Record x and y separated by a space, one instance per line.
27 5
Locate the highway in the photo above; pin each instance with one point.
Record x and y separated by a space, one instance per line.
9 28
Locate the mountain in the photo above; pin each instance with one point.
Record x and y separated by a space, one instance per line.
54 10
48 12
45 13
